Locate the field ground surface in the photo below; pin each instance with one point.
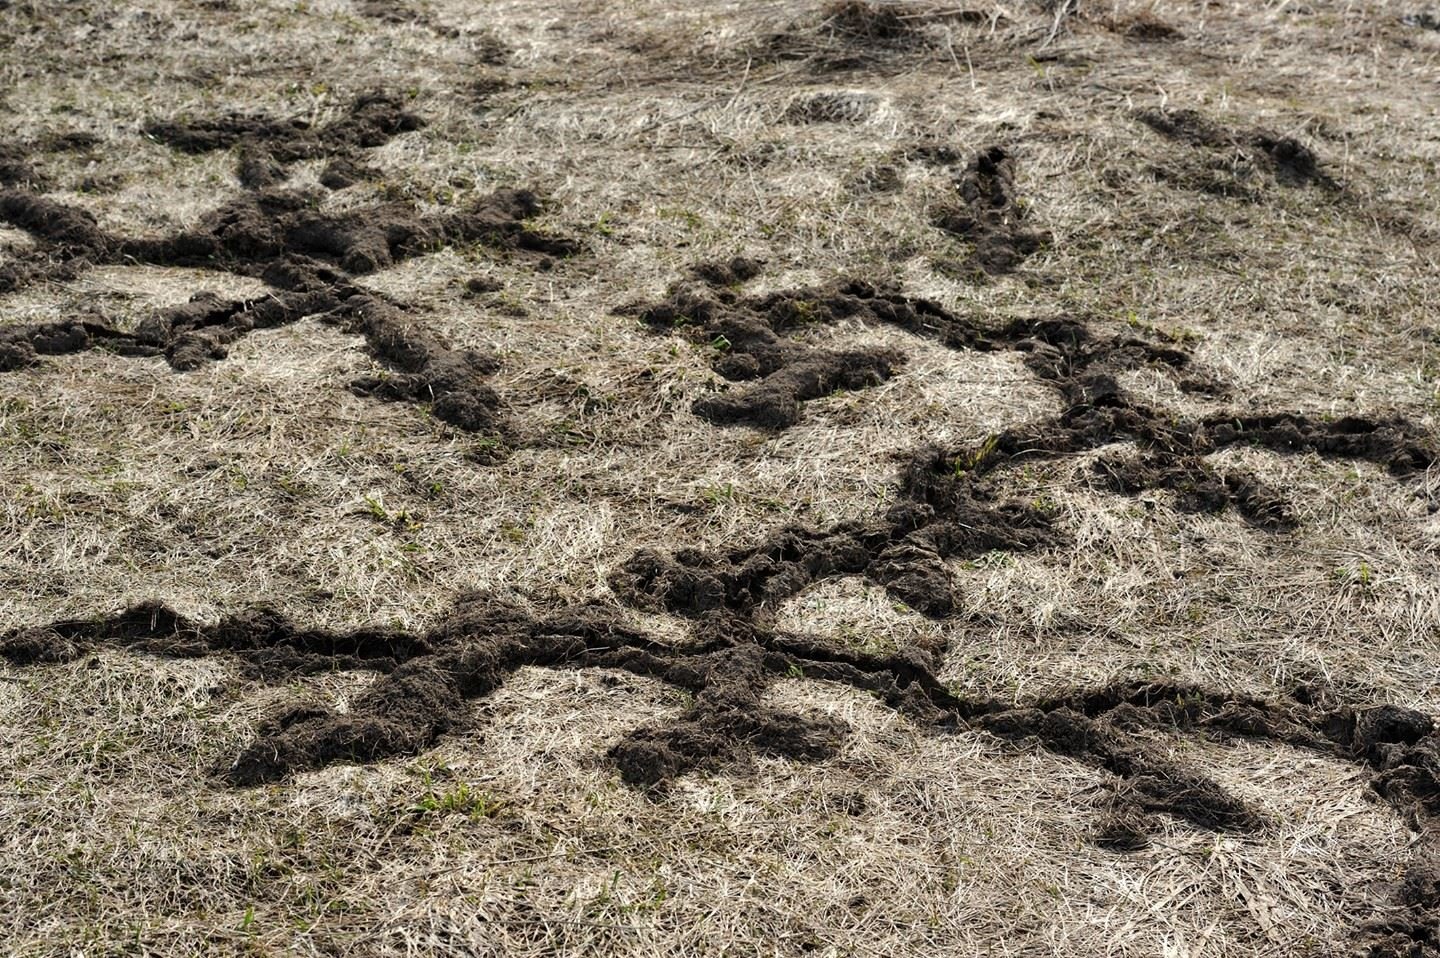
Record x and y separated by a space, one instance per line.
560 477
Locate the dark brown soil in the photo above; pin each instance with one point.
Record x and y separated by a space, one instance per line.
1187 126
1173 452
989 217
850 35
1234 162
250 233
388 11
1197 487
198 332
733 272
1144 26
754 343
427 679
17 158
343 171
280 236
15 168
731 660
902 550
268 146
429 371
404 14
949 507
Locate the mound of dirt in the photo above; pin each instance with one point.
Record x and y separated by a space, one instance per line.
17 158
309 257
849 35
1173 450
753 343
1234 160
452 381
903 550
736 271
1144 25
989 217
427 678
948 507
15 168
268 146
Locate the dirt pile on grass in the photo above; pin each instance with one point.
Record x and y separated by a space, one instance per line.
308 256
989 215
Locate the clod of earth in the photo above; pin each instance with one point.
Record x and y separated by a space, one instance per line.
16 168
388 11
752 340
1145 26
1173 451
989 216
903 550
850 35
268 146
427 678
733 272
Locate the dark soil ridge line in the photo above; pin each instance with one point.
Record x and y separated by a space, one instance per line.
861 35
952 507
309 259
427 370
268 146
248 233
1291 162
16 168
427 681
255 231
904 550
989 216
753 339
754 344
1172 453
1234 154
427 676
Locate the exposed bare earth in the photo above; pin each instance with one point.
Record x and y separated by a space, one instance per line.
788 478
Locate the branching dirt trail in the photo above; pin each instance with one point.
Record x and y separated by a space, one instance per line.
806 478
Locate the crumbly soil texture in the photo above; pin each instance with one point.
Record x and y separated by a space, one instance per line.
280 237
836 477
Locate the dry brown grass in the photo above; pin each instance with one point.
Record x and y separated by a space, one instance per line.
667 134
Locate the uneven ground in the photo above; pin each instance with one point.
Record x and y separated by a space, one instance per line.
749 478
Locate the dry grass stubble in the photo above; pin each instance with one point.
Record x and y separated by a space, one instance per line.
667 136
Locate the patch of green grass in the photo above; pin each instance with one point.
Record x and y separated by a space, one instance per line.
459 799
399 519
968 461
